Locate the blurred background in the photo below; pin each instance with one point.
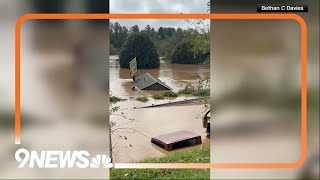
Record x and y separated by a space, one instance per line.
255 94
64 87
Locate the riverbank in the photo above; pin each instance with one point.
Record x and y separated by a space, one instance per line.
194 156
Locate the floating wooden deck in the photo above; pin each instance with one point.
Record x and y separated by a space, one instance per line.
175 140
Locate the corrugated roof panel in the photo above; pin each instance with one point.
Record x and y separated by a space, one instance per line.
147 80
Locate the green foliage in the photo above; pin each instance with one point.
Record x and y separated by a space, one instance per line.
170 94
157 96
142 99
200 89
201 92
184 53
166 39
114 99
194 156
118 35
141 46
188 90
113 50
134 29
199 36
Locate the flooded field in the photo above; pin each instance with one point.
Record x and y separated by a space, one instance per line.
150 122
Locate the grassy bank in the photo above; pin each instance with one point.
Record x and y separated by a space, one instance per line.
195 156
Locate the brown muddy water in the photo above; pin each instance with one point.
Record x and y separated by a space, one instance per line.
135 145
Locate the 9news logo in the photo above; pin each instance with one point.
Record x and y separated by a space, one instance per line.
61 159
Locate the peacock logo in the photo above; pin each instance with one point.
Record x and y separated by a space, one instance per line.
101 161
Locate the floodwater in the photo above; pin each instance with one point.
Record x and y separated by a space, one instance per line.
146 123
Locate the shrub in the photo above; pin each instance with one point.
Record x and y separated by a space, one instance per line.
183 54
142 99
201 92
200 89
158 97
115 99
141 46
170 94
188 89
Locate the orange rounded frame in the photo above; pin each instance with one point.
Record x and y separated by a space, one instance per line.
181 16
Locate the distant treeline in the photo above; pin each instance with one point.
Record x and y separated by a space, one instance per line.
166 39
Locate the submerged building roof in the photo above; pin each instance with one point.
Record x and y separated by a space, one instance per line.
178 139
147 82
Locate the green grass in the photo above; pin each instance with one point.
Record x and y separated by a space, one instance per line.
157 96
170 94
142 99
195 156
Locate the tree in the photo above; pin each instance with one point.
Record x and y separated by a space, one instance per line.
153 34
118 35
134 29
199 33
166 38
170 31
183 54
111 33
147 29
179 33
161 33
123 36
141 46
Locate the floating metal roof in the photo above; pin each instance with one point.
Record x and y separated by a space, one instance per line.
147 82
